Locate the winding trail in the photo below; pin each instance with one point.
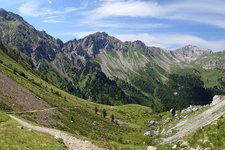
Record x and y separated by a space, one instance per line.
196 122
71 142
31 111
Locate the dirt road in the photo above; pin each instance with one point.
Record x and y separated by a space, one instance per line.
71 142
194 123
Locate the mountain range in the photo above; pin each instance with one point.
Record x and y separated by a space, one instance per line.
103 69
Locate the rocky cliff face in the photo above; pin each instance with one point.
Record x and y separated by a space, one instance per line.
190 53
20 35
116 58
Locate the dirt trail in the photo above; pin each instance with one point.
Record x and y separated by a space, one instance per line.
32 111
193 123
71 142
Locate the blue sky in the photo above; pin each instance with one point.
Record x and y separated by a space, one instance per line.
166 23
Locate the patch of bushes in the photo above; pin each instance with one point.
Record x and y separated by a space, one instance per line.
34 82
4 107
18 72
3 117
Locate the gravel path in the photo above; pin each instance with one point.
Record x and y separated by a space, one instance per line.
32 111
193 123
71 142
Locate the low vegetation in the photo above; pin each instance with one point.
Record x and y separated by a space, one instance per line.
13 136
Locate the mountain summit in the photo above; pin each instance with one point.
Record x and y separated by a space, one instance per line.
191 52
20 35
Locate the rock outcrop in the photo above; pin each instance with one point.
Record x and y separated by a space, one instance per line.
190 53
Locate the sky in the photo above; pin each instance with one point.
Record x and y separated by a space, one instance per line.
169 24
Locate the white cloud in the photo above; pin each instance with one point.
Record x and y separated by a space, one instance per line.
32 8
116 25
202 11
52 21
172 41
50 1
127 8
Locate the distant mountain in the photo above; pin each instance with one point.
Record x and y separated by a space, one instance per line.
104 69
190 53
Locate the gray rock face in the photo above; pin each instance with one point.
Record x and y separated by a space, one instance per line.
211 64
93 44
20 35
115 56
190 53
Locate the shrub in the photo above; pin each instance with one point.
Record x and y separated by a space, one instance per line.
57 93
96 109
112 117
22 74
104 113
173 112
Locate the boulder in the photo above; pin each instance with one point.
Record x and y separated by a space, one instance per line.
169 132
174 147
151 148
19 127
216 100
147 133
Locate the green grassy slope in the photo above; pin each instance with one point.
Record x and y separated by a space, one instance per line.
13 138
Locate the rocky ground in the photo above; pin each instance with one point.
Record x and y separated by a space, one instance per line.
185 122
19 98
191 124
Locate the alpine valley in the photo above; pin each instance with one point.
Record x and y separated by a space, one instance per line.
99 88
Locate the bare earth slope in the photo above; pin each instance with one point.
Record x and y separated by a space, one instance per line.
195 122
71 142
18 97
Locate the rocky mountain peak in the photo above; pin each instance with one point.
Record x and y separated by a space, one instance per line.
136 43
93 44
20 35
191 52
99 34
9 16
2 11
